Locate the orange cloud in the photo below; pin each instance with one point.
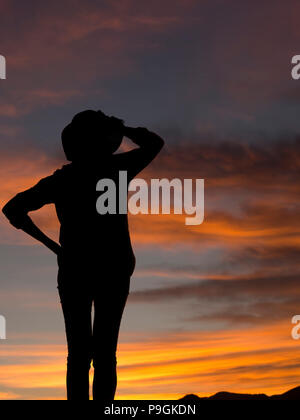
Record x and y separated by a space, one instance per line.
169 366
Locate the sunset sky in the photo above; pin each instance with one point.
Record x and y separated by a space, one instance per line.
210 307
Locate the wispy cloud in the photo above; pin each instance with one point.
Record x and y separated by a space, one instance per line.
239 360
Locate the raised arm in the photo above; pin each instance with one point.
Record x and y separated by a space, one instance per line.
149 144
16 211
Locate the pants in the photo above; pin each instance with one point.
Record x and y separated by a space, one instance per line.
92 341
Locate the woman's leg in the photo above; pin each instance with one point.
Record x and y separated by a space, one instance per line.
109 306
77 307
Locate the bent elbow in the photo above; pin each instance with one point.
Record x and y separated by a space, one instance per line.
158 142
6 210
14 214
161 143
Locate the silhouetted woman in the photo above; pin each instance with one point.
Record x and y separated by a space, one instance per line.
95 256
